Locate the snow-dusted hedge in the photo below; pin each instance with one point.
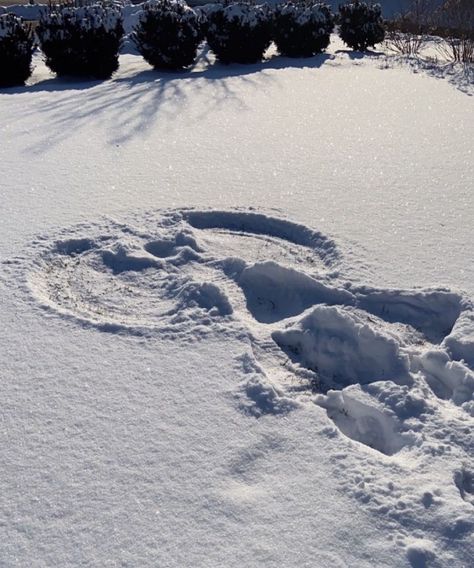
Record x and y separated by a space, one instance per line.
239 32
302 29
361 25
167 34
82 41
16 48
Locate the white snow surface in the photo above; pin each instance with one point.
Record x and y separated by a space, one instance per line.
236 311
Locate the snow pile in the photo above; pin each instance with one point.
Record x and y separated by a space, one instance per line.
257 395
120 260
363 371
345 346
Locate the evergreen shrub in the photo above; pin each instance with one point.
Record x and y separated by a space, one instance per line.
302 29
168 34
81 41
238 32
361 25
16 50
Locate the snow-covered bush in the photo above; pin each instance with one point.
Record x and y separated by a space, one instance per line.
455 23
302 29
361 25
81 41
167 34
404 43
16 48
239 32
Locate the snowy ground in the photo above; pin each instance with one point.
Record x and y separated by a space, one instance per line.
236 316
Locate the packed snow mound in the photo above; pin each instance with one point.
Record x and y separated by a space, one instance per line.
344 346
274 292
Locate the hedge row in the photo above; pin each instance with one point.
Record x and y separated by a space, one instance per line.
85 41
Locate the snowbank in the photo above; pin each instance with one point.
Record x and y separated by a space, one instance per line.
345 346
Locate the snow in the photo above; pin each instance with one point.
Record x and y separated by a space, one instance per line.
171 10
246 14
91 17
159 232
365 420
345 345
449 379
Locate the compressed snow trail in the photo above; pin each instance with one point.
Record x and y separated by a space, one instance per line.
149 417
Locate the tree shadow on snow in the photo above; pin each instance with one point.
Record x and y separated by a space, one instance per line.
130 104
